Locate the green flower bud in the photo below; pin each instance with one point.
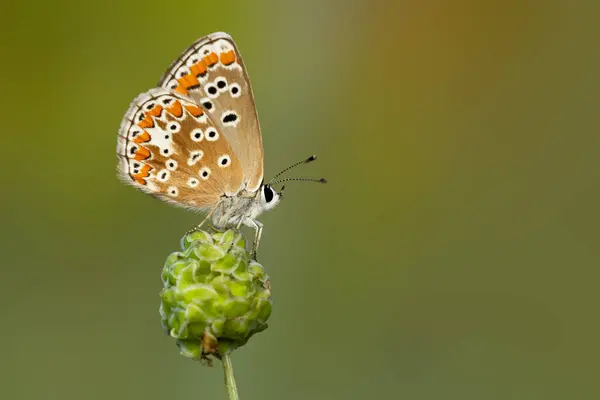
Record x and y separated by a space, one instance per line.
214 296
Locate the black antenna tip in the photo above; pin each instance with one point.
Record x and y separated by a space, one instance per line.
311 158
323 180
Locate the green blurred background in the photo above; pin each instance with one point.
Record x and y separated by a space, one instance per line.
454 255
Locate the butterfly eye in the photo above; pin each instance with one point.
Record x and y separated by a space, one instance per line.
269 195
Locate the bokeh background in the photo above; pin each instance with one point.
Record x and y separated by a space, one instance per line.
454 255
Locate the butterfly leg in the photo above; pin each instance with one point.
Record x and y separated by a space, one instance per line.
199 226
258 227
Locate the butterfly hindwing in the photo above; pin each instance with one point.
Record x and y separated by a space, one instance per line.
212 73
172 149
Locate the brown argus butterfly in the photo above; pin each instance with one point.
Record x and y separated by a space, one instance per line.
195 140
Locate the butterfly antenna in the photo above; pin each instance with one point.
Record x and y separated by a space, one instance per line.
322 180
306 161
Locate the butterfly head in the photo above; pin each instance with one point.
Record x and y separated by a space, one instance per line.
269 197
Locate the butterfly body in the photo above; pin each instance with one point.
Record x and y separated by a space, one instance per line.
245 207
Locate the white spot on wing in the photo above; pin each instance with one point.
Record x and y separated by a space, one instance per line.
235 90
211 90
204 173
171 164
173 127
173 191
197 135
211 134
163 175
193 182
195 156
230 118
221 84
224 161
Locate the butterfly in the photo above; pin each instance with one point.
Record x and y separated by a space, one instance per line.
195 141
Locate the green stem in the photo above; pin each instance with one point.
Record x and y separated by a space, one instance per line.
229 378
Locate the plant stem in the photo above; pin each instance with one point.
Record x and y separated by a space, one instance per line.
229 378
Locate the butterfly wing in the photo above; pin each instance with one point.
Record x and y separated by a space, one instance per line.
211 72
172 149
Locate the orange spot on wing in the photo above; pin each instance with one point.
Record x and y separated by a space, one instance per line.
198 69
142 153
180 89
147 122
188 81
211 59
144 173
156 110
176 109
194 110
228 57
145 169
142 138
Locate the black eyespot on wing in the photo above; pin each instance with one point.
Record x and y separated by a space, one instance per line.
268 194
231 117
212 90
208 105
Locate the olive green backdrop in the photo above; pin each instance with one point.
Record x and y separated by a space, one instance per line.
454 255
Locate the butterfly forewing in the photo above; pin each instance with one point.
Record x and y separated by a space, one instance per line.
173 149
212 73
